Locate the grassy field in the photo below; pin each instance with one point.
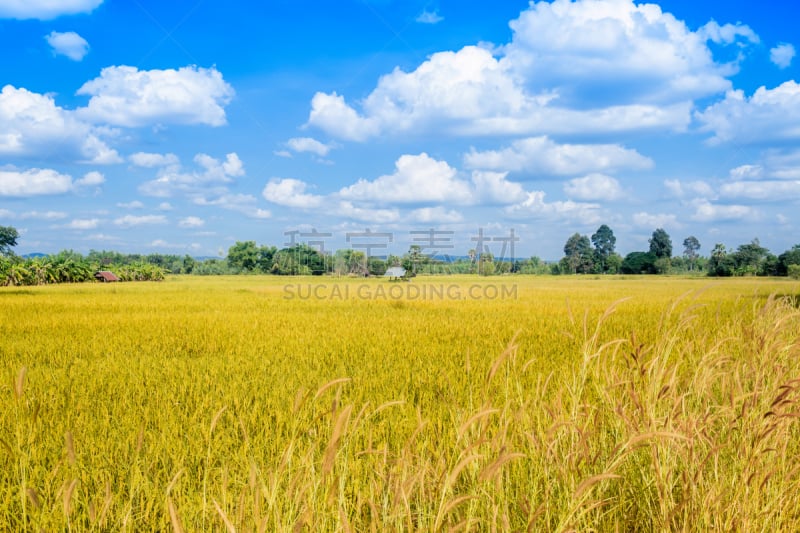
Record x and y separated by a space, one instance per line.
299 404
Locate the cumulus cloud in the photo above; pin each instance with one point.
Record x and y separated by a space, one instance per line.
242 203
129 221
746 171
770 114
171 178
191 222
135 204
127 96
681 189
291 193
594 187
32 125
705 211
45 9
151 160
429 17
91 179
494 188
535 206
83 223
438 214
42 215
68 44
308 144
541 155
367 214
782 55
571 66
762 190
417 179
656 220
33 182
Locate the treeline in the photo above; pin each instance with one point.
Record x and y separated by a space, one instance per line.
597 255
582 255
302 259
71 267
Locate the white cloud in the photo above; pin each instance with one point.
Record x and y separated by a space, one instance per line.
332 114
374 216
83 224
593 187
535 206
417 179
746 171
242 203
45 9
698 188
770 114
151 160
782 55
493 188
129 221
90 179
429 17
213 173
618 50
540 155
34 182
46 215
438 214
126 96
659 220
165 206
761 190
68 44
572 66
32 125
307 144
191 222
705 211
5 213
291 193
101 237
135 204
727 33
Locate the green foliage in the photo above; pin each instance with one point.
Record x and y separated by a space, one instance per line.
794 271
8 239
578 255
604 242
787 259
690 247
639 263
243 256
661 244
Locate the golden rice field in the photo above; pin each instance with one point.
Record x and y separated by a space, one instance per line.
262 404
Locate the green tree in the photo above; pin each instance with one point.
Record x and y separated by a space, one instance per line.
604 242
578 254
720 263
661 244
8 239
748 258
787 259
243 255
639 263
376 266
690 247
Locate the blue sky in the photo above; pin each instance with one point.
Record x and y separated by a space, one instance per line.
184 126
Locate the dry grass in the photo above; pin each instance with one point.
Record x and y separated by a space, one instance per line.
219 404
